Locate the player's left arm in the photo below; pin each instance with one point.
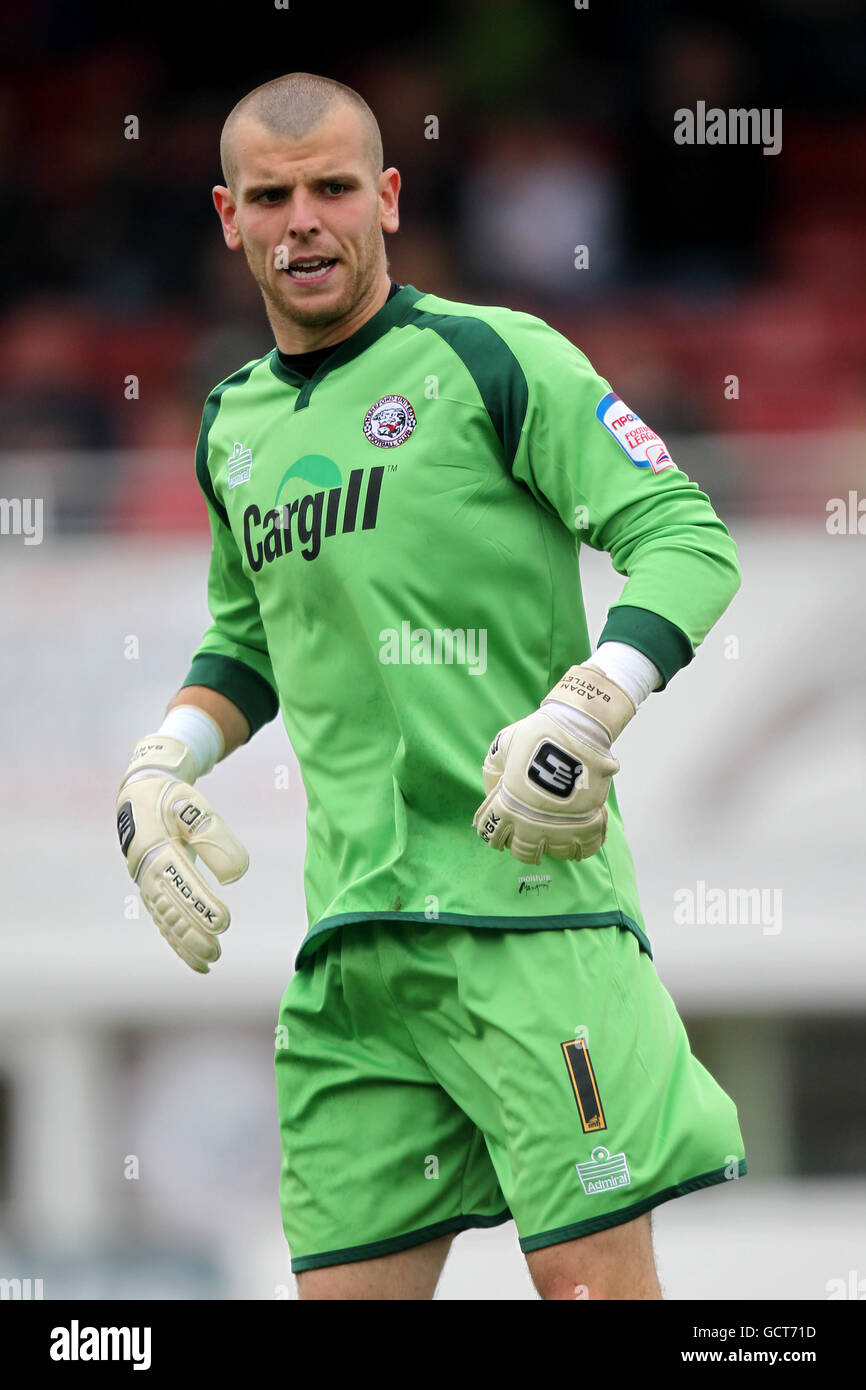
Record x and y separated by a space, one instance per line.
588 456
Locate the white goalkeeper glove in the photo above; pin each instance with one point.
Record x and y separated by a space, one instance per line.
547 776
163 823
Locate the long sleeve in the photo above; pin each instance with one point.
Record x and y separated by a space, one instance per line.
232 656
610 479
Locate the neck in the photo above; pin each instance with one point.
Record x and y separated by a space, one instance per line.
292 337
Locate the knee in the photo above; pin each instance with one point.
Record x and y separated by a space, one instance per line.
561 1285
581 1287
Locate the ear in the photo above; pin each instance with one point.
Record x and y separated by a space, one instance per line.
389 191
227 212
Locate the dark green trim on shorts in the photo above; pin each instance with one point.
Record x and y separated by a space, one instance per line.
616 1218
662 641
254 696
328 925
353 1253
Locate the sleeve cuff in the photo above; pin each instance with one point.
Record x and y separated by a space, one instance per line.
254 696
663 642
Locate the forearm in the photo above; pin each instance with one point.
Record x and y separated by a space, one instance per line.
233 725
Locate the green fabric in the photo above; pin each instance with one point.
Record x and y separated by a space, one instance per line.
666 645
406 602
422 1088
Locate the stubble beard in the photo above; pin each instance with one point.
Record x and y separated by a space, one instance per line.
295 315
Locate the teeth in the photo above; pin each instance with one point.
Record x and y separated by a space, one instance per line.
306 269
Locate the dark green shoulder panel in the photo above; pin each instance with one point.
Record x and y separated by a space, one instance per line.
209 414
493 367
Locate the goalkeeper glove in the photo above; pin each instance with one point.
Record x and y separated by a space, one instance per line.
163 824
547 776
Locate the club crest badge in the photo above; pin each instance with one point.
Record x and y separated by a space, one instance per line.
389 422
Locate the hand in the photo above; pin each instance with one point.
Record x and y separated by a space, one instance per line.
547 776
163 824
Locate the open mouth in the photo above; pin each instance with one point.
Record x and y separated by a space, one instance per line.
316 268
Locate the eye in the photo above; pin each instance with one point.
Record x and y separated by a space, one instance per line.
270 195
338 186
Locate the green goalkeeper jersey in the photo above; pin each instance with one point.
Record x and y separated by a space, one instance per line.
395 567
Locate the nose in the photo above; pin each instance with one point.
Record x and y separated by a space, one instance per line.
304 219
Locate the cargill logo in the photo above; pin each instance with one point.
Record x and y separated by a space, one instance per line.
303 523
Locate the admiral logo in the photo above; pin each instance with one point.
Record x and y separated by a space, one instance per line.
389 422
305 522
239 465
637 440
604 1172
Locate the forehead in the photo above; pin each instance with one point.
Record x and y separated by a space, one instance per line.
260 155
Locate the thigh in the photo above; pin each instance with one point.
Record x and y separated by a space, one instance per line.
376 1158
407 1275
616 1263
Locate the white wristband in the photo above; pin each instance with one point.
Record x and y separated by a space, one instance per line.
632 671
199 731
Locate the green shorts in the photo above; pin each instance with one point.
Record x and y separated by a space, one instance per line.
432 1077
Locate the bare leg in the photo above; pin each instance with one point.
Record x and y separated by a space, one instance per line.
408 1274
616 1263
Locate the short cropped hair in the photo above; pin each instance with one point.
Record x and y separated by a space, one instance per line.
294 105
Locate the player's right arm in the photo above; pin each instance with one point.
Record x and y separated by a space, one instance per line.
163 821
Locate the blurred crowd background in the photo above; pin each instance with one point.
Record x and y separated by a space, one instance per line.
139 1151
555 129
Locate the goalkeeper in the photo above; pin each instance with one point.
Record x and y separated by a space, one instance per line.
397 494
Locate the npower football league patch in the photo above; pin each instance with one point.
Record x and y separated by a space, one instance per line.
637 440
